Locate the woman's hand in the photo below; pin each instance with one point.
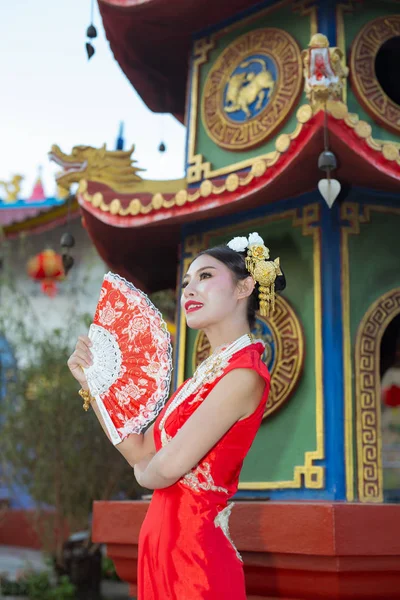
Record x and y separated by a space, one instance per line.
81 357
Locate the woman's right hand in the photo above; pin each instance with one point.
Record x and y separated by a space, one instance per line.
81 357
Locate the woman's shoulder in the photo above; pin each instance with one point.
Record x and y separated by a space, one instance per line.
250 358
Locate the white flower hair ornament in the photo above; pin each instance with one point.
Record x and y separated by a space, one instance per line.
254 238
263 271
238 244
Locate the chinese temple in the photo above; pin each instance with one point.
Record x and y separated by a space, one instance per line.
292 112
32 215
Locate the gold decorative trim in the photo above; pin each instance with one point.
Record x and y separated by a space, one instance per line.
233 70
341 9
367 361
307 475
197 169
350 212
390 151
12 189
365 83
308 8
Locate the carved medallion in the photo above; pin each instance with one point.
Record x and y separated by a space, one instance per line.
252 88
366 85
283 337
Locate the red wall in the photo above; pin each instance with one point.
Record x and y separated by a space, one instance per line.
17 528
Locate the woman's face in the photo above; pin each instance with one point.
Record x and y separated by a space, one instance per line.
209 292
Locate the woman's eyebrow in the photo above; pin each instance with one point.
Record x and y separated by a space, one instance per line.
199 270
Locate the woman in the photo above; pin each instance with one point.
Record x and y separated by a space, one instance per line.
193 453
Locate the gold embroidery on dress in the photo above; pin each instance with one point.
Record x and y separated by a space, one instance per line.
198 398
192 479
222 520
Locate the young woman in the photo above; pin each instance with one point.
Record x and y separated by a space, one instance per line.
193 453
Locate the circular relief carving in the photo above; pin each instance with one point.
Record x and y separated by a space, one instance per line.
283 337
252 88
374 70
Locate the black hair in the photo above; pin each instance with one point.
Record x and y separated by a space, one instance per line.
235 261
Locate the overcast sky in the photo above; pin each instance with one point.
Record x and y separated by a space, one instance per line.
50 93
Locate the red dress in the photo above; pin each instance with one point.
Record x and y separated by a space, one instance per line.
185 550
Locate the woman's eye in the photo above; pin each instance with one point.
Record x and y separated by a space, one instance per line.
184 284
205 275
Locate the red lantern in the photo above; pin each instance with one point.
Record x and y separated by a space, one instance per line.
46 267
391 396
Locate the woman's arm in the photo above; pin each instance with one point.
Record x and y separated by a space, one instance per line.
234 397
136 446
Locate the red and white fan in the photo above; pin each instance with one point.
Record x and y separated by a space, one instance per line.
132 358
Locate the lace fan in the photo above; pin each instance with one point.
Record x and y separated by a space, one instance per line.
131 371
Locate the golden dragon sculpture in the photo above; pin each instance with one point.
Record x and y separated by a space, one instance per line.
113 168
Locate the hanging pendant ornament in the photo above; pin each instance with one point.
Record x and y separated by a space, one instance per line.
329 190
67 242
68 263
89 50
91 33
162 147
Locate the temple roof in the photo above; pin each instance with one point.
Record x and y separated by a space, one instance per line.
124 225
34 217
17 211
151 41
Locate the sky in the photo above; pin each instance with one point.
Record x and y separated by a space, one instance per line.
51 94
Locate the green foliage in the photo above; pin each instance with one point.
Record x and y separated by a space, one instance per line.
38 586
108 569
57 452
165 301
49 446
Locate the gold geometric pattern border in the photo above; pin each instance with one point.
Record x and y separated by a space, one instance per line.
354 216
258 167
308 475
197 168
368 406
365 83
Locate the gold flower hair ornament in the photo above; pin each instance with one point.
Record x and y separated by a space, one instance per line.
263 271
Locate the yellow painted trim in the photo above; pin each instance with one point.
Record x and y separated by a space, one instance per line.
350 211
307 475
341 38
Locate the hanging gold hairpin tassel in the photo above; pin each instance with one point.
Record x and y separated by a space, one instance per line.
264 272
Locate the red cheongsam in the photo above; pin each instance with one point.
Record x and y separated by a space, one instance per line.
185 549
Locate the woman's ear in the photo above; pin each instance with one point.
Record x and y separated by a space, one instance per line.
246 287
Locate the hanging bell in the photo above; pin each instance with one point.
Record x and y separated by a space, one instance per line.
162 147
67 240
327 161
91 31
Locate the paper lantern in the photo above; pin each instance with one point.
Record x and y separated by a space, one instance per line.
46 268
391 396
